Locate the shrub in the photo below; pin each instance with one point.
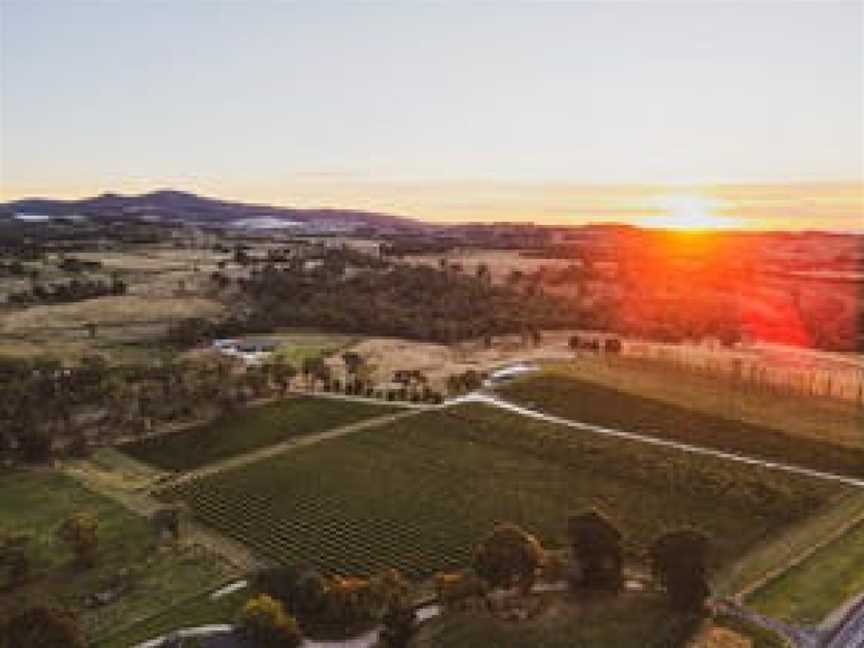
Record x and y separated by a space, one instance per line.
508 557
265 623
79 532
41 627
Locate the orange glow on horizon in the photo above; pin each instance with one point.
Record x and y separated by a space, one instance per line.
690 212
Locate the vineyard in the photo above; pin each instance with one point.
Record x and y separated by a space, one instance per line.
250 429
588 402
419 493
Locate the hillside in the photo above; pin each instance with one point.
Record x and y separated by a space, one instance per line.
184 206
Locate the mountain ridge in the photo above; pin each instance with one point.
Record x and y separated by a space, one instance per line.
175 204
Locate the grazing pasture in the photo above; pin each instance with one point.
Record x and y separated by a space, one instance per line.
419 493
250 429
589 402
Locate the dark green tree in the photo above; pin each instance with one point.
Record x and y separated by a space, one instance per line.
678 560
509 556
596 544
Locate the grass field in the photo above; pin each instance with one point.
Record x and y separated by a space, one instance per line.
833 421
808 592
131 328
35 503
775 554
250 429
585 401
198 610
628 620
419 494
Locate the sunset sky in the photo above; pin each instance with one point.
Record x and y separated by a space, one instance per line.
743 114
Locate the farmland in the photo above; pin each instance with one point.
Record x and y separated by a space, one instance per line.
37 502
589 402
419 493
250 429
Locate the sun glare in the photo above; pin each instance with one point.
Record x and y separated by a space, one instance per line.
689 212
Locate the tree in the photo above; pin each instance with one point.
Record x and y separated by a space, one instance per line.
36 446
678 559
41 626
399 625
79 532
509 556
596 545
282 372
314 368
301 589
15 557
167 520
265 623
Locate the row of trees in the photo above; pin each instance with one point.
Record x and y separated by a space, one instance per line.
510 557
62 292
295 599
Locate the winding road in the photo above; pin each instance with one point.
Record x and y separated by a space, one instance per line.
850 631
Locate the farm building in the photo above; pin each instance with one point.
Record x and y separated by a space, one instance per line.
250 351
510 372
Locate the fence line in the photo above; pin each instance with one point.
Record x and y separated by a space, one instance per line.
840 383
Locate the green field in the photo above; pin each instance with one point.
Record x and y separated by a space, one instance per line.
250 429
808 592
588 402
35 503
419 493
628 620
198 610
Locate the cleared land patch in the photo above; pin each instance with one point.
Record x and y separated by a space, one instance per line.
36 503
587 402
418 494
250 429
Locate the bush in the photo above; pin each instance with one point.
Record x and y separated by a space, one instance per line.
79 532
509 556
41 627
265 623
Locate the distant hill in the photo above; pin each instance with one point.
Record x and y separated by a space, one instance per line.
183 206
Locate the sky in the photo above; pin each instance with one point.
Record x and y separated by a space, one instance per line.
739 114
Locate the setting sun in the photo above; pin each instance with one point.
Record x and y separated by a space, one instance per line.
689 212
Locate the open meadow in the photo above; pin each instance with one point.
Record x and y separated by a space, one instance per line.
418 494
35 503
